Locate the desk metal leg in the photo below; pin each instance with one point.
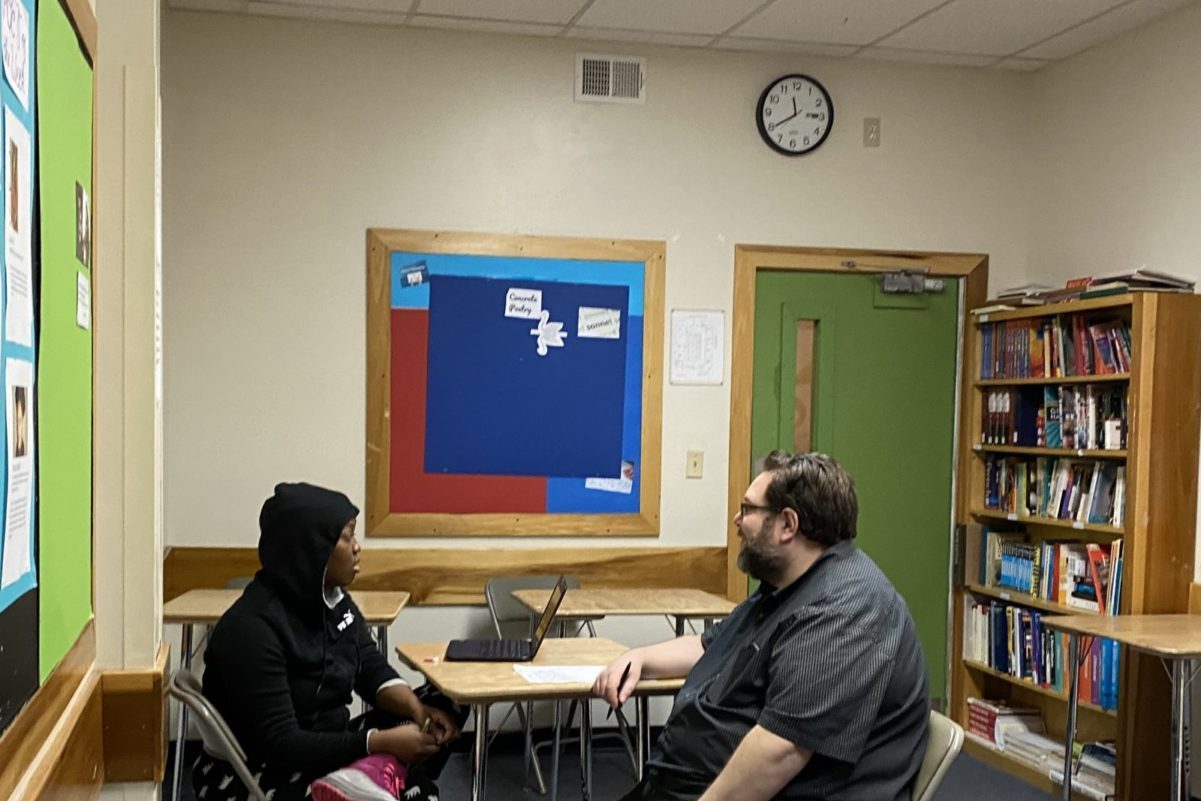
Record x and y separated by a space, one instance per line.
643 738
181 731
585 749
479 763
554 765
1180 681
381 639
679 625
1073 700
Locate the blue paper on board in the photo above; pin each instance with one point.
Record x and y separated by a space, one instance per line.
494 406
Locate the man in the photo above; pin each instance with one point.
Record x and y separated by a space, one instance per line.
815 686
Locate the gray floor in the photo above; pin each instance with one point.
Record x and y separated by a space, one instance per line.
968 780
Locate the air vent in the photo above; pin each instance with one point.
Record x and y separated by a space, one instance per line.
609 79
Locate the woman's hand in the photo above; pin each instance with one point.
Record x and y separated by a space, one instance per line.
407 742
442 725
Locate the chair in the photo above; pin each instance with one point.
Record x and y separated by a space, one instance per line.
511 618
218 740
943 741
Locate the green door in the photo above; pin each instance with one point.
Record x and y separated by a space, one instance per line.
869 378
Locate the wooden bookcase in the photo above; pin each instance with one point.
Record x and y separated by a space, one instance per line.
1158 533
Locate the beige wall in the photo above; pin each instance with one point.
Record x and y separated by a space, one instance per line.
285 140
1118 163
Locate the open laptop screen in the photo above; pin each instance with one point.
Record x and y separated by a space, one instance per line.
552 606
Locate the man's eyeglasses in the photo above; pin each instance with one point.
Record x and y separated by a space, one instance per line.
745 509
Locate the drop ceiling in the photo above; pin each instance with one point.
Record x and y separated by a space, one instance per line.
1001 34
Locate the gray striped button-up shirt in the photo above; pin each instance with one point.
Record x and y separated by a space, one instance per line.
831 663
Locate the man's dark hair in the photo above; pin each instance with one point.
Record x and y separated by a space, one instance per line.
818 490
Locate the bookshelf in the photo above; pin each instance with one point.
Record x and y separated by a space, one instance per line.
1154 517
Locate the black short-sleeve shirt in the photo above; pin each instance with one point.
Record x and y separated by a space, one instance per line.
832 663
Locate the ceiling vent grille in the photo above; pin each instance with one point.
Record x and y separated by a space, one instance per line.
609 79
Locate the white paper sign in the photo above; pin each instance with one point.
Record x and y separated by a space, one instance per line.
559 674
19 425
624 484
18 235
16 48
523 303
599 323
83 301
697 341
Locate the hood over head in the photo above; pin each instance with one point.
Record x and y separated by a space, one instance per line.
299 527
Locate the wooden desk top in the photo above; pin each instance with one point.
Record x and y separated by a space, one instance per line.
207 606
600 602
1177 636
488 682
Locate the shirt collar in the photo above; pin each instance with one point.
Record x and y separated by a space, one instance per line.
771 597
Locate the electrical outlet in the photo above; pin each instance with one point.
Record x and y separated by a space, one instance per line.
696 464
871 131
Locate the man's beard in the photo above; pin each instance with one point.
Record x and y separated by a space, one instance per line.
759 561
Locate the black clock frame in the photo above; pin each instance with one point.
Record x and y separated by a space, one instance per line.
763 132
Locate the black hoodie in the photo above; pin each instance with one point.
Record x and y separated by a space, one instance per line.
280 664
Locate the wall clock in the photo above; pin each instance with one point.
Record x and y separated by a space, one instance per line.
794 115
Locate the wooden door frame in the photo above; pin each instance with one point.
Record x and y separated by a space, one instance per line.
748 261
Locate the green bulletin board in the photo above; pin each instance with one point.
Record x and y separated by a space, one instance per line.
65 346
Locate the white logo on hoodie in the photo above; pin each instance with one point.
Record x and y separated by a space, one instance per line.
347 619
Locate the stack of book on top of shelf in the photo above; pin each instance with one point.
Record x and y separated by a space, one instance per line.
1139 280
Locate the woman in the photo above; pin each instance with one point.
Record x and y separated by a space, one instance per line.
282 662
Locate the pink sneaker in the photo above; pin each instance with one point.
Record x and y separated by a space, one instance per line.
379 777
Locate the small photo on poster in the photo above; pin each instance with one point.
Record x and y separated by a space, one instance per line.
83 226
20 408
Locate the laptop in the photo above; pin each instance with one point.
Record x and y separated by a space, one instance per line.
510 650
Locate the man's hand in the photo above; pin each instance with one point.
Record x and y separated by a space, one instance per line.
406 742
442 725
606 684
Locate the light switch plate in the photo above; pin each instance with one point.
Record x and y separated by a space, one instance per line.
696 465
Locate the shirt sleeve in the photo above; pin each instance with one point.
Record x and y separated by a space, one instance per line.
374 670
826 682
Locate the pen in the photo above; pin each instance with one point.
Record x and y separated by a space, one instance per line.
425 727
624 675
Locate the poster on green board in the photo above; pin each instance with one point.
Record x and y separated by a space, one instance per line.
64 380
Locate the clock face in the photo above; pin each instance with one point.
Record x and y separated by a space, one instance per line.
794 115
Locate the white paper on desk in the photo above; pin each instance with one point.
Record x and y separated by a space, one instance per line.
559 674
697 342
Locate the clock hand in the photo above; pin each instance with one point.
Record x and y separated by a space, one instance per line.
794 111
778 123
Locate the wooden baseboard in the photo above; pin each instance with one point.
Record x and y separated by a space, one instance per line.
79 770
456 577
33 727
135 722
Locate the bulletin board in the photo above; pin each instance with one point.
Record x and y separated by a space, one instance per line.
46 369
514 385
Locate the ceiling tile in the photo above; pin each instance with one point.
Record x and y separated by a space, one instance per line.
313 11
1121 19
486 25
994 27
783 46
671 16
650 37
925 57
1025 64
556 12
843 21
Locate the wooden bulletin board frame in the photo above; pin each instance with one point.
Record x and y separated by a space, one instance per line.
380 520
